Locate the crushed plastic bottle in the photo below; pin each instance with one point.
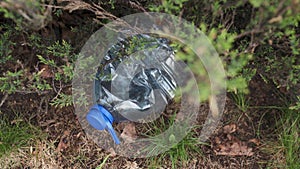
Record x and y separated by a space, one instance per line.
135 81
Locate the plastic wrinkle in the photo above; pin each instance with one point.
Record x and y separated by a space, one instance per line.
125 82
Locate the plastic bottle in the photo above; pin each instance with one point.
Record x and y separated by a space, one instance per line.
135 79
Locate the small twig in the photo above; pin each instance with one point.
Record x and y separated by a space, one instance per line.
53 84
280 9
53 6
41 104
59 91
43 100
30 92
230 21
253 31
3 99
137 6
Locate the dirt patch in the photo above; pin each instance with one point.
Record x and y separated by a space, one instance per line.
72 148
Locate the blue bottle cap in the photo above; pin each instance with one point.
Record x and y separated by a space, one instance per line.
101 119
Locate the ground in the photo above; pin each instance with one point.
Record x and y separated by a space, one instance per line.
67 146
247 137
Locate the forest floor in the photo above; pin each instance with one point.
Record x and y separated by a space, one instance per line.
247 136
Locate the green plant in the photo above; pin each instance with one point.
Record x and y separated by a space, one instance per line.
15 133
234 60
62 65
26 14
6 44
279 46
296 106
241 101
103 162
238 95
37 83
36 41
175 150
58 49
290 137
62 100
62 61
168 6
11 81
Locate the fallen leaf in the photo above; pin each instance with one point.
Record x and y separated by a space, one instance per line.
270 42
78 135
180 117
64 142
120 126
234 149
275 19
46 72
129 133
112 152
229 137
230 145
231 128
16 121
47 123
131 165
217 140
255 141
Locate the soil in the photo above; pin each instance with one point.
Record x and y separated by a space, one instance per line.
61 125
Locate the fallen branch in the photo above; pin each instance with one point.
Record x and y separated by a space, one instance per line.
3 99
